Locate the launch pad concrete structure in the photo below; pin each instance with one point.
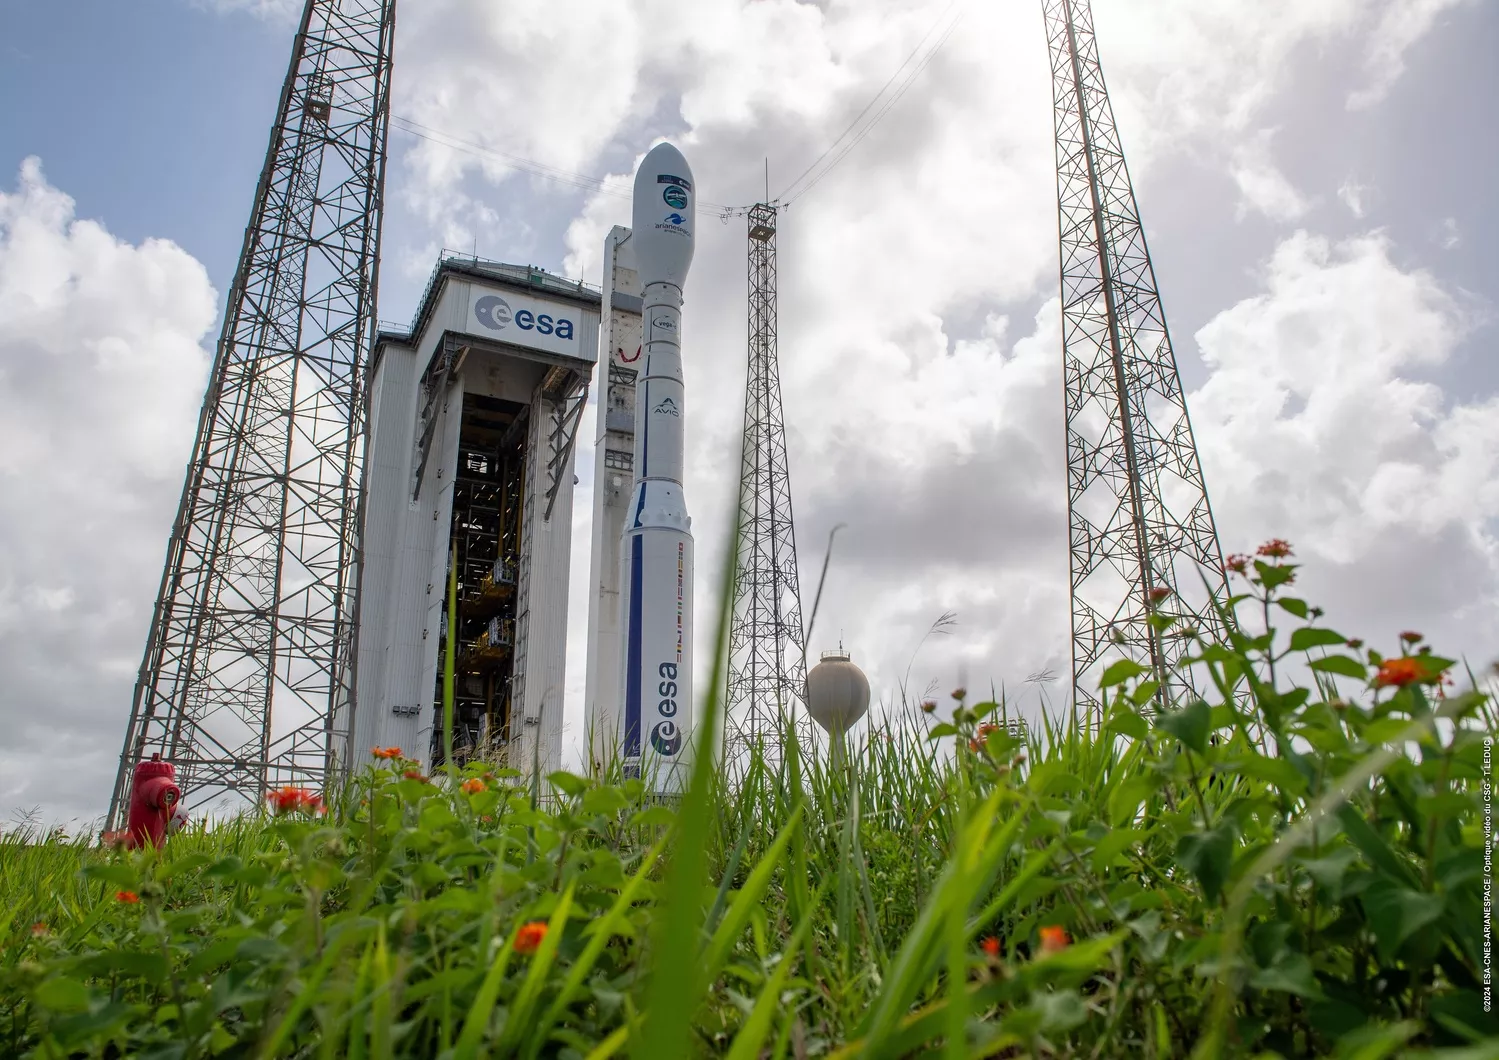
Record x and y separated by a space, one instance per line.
472 419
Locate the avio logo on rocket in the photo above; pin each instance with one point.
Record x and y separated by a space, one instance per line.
667 407
675 197
495 314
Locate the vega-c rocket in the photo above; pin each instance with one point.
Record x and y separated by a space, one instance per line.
656 557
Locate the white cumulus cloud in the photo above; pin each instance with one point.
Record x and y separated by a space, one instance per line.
1321 423
101 376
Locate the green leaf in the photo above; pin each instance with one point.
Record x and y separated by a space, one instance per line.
1384 730
940 730
1143 692
1107 850
117 873
1191 725
1294 606
653 817
1124 803
567 783
1340 664
1120 671
1309 637
1376 1042
1276 772
1274 577
1292 974
1126 722
61 994
1396 912
605 801
1373 846
1328 871
1207 856
147 965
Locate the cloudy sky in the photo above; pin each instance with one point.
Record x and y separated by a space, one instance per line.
1316 180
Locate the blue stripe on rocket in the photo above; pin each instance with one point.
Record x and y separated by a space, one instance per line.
632 672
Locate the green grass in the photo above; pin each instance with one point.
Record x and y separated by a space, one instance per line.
1267 871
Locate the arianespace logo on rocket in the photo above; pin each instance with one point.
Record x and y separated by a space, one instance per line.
675 196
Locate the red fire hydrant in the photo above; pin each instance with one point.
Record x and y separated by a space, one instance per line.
154 795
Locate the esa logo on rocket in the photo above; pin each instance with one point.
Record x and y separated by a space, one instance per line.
666 737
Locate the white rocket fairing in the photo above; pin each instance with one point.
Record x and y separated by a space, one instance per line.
656 553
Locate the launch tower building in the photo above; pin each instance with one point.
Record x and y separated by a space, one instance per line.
472 419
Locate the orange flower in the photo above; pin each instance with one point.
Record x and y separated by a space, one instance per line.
1238 563
487 819
1158 594
1356 643
1054 939
1400 672
293 800
1275 548
128 897
529 936
473 786
991 947
386 752
1414 638
416 775
977 743
38 930
928 706
959 693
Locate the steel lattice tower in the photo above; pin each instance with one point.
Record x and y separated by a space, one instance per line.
767 648
1139 520
249 651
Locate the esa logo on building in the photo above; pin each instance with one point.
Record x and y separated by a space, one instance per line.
668 407
494 313
675 196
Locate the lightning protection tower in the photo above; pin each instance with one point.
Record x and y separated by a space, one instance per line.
248 653
1139 521
767 649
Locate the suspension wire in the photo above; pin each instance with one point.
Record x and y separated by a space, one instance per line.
538 169
792 191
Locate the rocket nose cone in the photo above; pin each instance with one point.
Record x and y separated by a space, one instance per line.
664 216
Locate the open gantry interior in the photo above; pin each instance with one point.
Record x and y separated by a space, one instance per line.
488 500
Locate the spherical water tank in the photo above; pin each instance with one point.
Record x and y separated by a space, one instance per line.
837 692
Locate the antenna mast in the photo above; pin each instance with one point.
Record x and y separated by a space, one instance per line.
767 646
247 677
1138 513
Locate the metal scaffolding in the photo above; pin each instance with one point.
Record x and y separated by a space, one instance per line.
250 647
486 532
767 648
1140 526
